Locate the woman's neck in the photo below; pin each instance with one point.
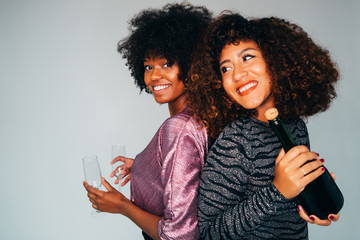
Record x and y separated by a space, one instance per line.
177 105
269 103
261 117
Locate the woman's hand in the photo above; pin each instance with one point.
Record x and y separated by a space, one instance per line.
125 169
111 201
293 171
314 219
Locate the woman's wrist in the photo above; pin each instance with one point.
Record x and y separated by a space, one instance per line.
125 207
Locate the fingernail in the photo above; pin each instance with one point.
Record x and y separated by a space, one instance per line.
322 160
317 154
312 218
298 208
332 217
322 169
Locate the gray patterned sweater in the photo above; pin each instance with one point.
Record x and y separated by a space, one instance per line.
237 199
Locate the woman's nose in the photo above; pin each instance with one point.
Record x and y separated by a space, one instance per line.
156 74
239 73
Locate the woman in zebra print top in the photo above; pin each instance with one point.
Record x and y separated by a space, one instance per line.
248 189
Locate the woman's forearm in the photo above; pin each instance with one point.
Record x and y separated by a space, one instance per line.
146 221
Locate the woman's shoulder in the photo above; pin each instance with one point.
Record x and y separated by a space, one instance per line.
180 118
238 127
296 124
183 122
182 131
244 131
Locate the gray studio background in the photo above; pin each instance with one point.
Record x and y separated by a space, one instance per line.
66 92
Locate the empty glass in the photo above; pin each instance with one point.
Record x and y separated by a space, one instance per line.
116 151
92 174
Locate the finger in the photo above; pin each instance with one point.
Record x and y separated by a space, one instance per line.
304 215
113 173
334 217
124 173
304 158
86 185
106 184
294 154
313 175
311 166
333 175
126 180
117 159
92 200
89 188
320 222
280 156
117 180
93 195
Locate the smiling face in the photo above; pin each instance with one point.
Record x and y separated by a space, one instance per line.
162 80
245 77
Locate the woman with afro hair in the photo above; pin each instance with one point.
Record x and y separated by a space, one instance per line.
166 174
249 186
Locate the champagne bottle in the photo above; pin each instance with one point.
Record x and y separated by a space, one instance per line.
320 197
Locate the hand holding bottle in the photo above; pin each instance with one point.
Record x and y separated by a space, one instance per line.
314 219
321 196
293 171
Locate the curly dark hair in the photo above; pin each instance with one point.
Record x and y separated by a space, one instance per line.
302 72
171 32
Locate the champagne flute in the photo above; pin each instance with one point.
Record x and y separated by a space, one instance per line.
116 151
92 175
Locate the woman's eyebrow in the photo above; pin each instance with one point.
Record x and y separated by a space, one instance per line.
225 61
238 55
244 50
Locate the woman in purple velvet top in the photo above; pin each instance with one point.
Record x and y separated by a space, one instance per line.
165 175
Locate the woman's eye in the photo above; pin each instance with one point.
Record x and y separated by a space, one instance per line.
147 67
166 65
224 69
248 57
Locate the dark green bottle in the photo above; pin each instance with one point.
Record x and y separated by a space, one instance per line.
320 197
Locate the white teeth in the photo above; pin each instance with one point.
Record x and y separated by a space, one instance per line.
247 86
157 88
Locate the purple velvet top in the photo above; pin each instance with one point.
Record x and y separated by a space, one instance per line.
165 176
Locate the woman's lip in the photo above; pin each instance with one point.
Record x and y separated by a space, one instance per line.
247 88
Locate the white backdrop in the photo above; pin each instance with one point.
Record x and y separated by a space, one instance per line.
66 92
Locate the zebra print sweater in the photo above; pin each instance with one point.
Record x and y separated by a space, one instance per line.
237 199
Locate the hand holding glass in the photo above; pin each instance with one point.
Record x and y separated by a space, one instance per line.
117 166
